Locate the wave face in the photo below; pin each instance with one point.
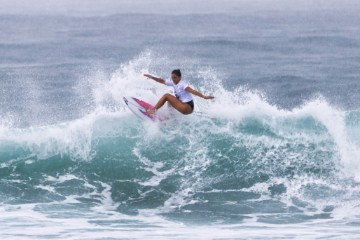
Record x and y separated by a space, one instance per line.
237 160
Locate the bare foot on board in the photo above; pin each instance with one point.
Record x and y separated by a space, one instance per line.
150 110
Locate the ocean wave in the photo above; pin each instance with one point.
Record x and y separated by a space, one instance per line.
237 149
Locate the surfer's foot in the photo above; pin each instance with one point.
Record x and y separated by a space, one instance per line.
150 110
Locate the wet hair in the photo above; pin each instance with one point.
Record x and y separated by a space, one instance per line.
176 72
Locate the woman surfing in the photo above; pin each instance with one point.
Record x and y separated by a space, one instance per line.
182 101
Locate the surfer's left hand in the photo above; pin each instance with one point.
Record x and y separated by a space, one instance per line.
148 75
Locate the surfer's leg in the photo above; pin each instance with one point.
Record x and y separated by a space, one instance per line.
176 103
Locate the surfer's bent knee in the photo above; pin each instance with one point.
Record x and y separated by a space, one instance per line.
166 95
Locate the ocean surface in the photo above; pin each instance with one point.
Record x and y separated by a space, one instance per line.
276 154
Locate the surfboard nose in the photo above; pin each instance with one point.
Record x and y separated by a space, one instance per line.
125 100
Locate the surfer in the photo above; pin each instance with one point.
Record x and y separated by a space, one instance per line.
182 101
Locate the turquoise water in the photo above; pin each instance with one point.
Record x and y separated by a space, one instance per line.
275 155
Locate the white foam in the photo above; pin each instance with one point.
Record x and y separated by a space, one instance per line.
24 222
62 178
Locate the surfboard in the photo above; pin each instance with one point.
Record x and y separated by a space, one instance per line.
138 108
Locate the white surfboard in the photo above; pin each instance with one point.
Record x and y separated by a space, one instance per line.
138 107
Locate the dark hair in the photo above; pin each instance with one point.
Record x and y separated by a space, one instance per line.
176 72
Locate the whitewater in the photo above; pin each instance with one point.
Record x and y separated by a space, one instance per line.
275 155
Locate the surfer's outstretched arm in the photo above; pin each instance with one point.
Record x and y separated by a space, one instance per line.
159 80
196 93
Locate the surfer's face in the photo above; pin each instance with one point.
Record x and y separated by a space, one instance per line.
176 79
